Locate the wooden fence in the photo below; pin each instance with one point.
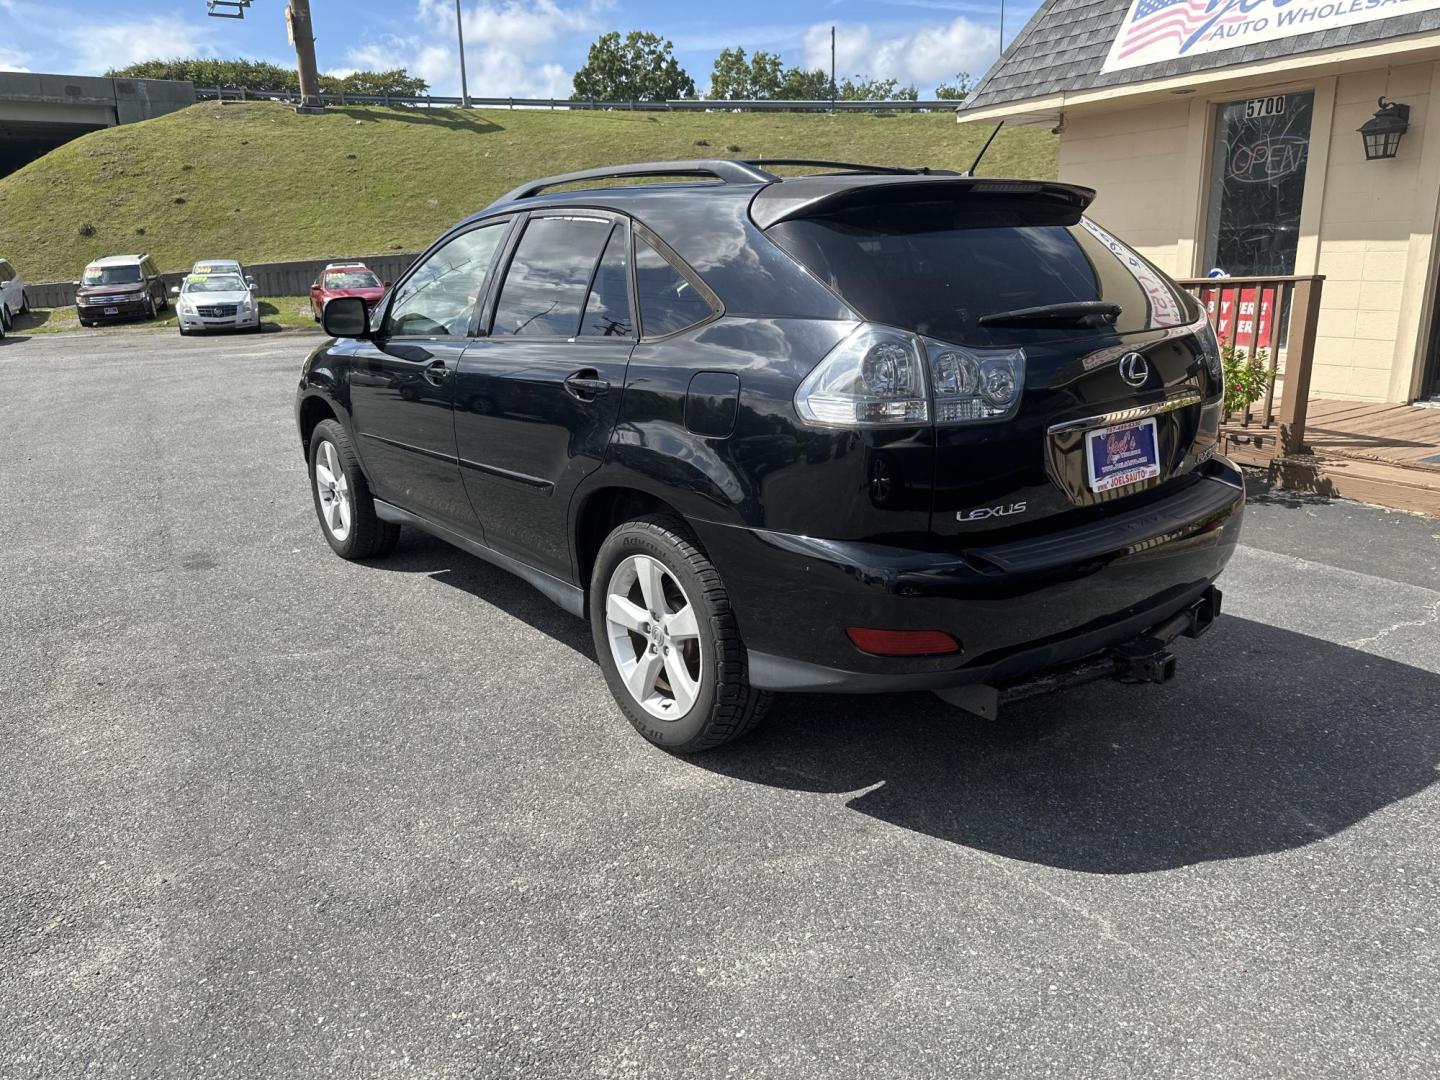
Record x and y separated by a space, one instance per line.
1271 320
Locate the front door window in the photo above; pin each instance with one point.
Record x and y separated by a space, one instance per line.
1257 180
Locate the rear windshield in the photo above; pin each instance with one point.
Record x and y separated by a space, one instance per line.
937 267
351 279
111 275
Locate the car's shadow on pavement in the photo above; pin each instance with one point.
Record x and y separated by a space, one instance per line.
1266 741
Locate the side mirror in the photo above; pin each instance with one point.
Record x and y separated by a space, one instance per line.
174 290
76 283
344 317
385 284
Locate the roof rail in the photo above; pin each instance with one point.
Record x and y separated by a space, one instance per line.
727 172
850 166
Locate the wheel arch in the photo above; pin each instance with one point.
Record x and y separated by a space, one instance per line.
598 512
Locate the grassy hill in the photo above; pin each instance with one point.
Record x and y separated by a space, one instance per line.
258 182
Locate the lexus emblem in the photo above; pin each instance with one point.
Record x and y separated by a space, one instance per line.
1134 369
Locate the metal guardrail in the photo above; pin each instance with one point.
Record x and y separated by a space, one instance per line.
292 278
220 93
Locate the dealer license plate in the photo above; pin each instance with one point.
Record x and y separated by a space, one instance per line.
1122 455
112 311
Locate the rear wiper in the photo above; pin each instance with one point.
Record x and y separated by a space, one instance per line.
1084 312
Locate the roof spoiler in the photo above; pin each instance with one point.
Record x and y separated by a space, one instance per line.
808 196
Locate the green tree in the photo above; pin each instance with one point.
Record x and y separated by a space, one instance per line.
736 79
259 75
641 67
861 88
956 91
800 85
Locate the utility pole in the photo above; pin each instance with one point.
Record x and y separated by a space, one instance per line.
460 33
832 69
297 18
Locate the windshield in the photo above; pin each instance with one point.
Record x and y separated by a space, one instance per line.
938 268
351 279
111 275
215 283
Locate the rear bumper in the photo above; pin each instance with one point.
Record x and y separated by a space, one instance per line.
1017 609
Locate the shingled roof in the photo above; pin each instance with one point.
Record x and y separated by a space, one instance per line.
1063 46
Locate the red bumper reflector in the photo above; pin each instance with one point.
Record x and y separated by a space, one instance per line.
902 642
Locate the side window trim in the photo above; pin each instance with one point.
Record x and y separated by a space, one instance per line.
640 231
512 244
381 315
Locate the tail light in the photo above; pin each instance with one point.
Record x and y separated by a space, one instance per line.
880 376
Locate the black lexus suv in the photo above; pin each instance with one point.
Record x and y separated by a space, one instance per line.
864 429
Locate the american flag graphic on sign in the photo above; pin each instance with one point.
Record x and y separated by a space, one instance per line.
1173 22
1154 31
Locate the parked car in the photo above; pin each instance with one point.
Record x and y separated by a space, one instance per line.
13 299
120 287
345 279
224 266
880 430
215 302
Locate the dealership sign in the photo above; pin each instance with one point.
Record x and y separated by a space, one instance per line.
1159 30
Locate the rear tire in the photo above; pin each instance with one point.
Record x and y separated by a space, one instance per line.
343 502
667 641
24 303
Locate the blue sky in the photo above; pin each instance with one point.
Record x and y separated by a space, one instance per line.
520 47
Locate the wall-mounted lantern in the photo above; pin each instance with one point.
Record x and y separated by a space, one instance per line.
1383 130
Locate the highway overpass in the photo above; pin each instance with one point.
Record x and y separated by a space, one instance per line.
40 112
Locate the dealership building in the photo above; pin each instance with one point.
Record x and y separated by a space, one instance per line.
1258 138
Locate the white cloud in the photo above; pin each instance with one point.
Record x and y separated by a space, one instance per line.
508 47
99 46
12 59
923 57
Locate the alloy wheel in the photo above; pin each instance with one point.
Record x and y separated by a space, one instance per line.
654 637
334 491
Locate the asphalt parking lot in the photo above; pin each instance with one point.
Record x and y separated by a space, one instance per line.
269 814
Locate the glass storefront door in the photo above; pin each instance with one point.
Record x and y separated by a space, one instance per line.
1257 180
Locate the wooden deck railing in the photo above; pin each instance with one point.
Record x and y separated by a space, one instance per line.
1274 318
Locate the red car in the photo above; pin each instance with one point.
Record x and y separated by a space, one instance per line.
346 279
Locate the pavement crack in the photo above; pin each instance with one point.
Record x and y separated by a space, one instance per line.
1404 624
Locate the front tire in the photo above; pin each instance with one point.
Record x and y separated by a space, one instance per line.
667 640
24 303
343 502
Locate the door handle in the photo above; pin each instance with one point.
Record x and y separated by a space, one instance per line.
436 373
587 385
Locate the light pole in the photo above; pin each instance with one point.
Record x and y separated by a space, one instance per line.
460 33
297 22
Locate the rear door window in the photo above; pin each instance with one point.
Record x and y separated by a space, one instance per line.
607 311
938 267
549 277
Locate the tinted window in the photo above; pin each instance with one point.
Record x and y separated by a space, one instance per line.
545 287
668 302
937 267
438 299
607 312
5 272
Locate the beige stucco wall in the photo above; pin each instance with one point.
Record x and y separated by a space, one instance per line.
1135 160
1367 226
1376 231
